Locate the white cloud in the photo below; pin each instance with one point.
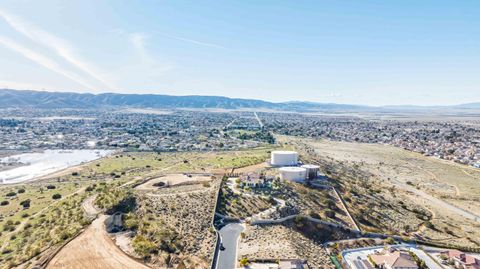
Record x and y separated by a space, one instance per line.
139 41
196 42
59 45
43 61
154 67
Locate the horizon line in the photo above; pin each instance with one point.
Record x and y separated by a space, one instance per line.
240 98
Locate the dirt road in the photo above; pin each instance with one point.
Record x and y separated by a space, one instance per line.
93 249
440 203
89 207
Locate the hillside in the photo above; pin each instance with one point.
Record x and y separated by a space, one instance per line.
41 99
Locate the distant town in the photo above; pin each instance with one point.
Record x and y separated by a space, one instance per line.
183 130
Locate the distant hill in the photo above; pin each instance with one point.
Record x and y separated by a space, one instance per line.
42 99
469 106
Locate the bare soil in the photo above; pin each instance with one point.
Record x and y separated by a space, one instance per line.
93 249
174 179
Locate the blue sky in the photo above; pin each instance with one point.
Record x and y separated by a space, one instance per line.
359 52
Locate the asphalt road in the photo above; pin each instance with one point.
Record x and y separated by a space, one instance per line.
229 237
431 264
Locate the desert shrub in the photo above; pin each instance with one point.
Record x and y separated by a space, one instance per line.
244 262
314 214
51 187
159 184
21 191
4 203
143 246
25 203
390 240
11 194
130 222
56 196
64 235
429 225
330 214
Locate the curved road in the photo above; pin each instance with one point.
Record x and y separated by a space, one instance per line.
229 235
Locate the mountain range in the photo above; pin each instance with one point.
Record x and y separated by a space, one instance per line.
42 99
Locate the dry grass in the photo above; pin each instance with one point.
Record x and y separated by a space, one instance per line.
241 206
372 179
290 240
180 224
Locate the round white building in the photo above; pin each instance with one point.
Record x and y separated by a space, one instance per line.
283 158
312 170
293 173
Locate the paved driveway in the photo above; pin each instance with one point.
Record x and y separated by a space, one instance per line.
229 237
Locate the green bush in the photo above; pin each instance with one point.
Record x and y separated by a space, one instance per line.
244 262
25 203
130 222
56 196
143 246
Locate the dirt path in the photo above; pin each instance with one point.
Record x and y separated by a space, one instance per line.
177 193
434 177
93 249
468 174
438 202
89 207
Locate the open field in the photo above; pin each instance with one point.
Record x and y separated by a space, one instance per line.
438 178
391 190
435 176
40 196
49 226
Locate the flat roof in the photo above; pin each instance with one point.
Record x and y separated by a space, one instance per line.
293 169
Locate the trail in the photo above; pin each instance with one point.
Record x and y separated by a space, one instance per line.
434 177
177 193
440 203
93 249
468 174
89 207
